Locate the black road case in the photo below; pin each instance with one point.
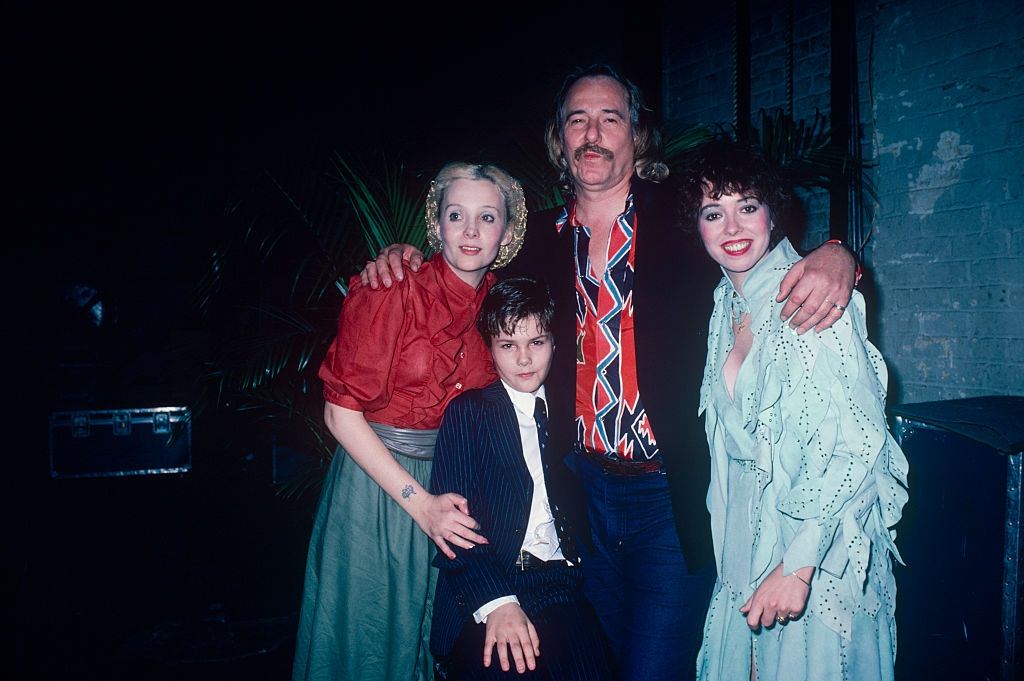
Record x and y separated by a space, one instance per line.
117 442
959 605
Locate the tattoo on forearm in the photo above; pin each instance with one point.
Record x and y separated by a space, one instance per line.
407 491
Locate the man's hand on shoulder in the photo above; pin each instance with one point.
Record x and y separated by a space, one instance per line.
388 266
818 288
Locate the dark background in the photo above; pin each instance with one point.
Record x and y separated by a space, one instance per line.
134 130
131 129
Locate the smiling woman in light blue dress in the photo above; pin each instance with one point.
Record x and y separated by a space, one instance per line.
807 483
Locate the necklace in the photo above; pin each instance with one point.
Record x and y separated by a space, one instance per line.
738 309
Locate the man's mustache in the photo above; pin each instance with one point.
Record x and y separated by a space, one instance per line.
607 154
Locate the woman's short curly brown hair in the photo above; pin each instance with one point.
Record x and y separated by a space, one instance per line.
724 166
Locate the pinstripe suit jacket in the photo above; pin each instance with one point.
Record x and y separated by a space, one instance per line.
479 454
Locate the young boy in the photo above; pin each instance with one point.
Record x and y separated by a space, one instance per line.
519 593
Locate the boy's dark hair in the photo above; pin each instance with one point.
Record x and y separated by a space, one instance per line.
725 166
512 300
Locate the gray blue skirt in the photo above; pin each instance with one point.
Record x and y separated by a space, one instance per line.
369 589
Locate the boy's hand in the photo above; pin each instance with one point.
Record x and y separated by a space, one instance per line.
509 628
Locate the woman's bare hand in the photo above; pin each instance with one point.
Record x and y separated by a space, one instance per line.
779 597
445 518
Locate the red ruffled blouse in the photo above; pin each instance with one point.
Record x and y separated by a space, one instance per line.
401 354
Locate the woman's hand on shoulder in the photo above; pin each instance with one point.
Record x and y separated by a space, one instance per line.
778 599
445 518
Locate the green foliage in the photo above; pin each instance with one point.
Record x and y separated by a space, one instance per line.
801 149
527 162
804 150
677 142
387 211
273 290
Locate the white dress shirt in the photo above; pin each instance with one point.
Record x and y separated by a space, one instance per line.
541 537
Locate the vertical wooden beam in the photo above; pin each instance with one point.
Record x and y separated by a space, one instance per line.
741 73
843 66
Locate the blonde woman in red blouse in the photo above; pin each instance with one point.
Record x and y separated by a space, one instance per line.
400 356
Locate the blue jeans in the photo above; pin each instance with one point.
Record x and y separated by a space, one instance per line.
650 605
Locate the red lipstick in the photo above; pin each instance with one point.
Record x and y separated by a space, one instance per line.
737 247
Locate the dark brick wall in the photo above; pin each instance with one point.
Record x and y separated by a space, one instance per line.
941 88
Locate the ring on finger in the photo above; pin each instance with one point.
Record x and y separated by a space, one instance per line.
781 619
841 308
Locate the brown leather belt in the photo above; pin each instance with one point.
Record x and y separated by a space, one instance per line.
618 467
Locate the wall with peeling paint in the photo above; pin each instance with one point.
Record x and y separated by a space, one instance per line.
698 71
946 130
942 108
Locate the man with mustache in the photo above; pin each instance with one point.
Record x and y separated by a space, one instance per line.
635 295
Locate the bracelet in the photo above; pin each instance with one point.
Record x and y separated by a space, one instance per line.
802 580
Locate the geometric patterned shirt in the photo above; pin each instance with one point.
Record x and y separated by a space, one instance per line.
611 422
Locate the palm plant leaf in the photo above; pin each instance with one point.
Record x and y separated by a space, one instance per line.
273 290
677 142
804 151
322 219
384 207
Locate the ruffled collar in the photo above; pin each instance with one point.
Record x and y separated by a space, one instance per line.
757 299
761 281
461 293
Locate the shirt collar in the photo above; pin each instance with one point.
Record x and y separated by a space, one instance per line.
454 286
525 403
568 216
759 282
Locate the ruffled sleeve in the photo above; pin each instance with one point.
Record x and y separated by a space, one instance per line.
841 474
717 326
717 496
359 368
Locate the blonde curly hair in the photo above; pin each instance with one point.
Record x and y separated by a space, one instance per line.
511 191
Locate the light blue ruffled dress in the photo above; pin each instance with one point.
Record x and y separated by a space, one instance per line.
804 472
